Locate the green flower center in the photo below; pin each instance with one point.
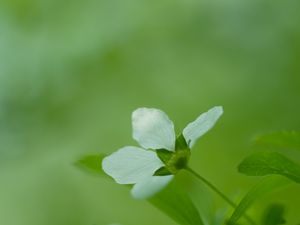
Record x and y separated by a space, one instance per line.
174 161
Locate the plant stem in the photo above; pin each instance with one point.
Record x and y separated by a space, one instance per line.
221 194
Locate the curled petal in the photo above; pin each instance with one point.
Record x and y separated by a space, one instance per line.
153 129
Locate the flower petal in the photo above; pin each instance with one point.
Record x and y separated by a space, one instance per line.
194 130
130 165
150 186
153 129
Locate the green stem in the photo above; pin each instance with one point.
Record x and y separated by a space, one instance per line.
221 194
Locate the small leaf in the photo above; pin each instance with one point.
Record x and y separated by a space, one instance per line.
274 215
91 163
164 155
261 164
177 205
280 139
262 188
181 143
163 171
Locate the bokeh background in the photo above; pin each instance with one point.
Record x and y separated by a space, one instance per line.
71 73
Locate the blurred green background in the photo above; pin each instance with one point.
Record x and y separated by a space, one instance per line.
71 73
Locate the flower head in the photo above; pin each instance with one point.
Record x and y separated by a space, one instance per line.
162 155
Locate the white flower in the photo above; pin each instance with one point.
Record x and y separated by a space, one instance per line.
153 166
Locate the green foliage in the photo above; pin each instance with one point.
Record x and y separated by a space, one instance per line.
274 215
280 139
266 163
264 187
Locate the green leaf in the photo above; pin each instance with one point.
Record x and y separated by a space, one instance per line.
202 197
274 215
280 139
264 187
164 155
261 164
163 171
181 143
177 205
91 163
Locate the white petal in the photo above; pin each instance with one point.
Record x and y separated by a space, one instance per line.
150 186
130 165
153 129
201 125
